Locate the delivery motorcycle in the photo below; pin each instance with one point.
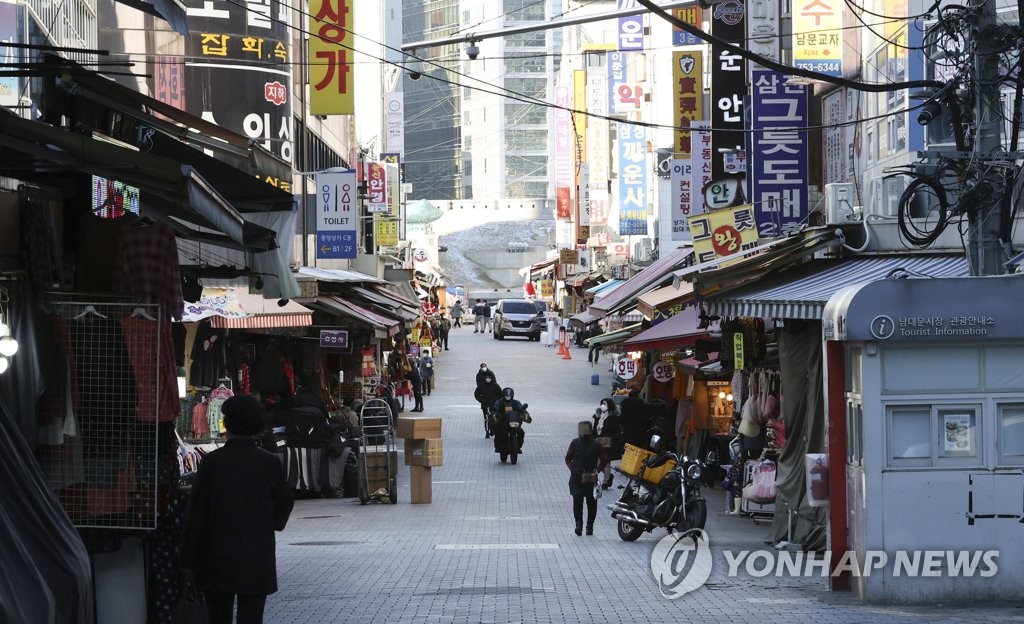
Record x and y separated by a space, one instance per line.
674 502
508 431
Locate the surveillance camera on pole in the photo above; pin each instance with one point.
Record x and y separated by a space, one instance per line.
472 51
413 66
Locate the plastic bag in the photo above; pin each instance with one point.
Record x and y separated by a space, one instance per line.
761 488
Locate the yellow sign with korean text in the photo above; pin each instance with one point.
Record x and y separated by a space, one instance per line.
579 120
385 231
737 351
331 68
568 256
688 90
720 234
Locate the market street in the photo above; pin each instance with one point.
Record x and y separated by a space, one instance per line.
497 543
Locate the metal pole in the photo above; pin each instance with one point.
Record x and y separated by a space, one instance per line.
303 147
985 248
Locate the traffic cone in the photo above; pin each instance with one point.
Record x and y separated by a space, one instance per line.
565 350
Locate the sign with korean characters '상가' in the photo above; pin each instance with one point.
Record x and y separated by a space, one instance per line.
331 81
723 233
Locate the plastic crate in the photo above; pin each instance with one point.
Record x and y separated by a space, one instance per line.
632 458
655 475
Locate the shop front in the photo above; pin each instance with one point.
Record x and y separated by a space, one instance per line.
925 394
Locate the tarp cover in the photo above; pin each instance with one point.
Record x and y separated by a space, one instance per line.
44 568
803 411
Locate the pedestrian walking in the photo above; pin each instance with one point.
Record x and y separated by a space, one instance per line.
487 318
239 498
427 372
479 316
457 312
585 459
633 416
608 426
444 327
417 387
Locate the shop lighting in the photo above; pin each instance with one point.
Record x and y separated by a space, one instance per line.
4 364
181 382
8 346
8 343
728 397
721 395
636 355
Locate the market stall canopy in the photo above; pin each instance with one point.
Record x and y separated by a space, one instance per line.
614 337
802 291
339 276
667 296
679 331
233 308
584 318
538 269
693 365
582 278
383 326
624 297
389 303
604 288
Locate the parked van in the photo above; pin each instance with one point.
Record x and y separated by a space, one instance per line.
518 317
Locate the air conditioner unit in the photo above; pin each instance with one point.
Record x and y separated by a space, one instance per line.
839 199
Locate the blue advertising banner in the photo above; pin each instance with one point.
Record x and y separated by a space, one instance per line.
632 168
779 154
616 76
336 214
631 29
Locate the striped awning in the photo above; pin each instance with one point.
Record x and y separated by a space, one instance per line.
382 325
233 308
803 291
264 321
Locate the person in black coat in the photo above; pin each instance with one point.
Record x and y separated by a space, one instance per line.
487 393
239 498
634 420
417 386
608 424
585 455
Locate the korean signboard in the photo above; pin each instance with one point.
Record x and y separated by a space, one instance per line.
700 164
385 231
394 122
631 29
632 169
818 36
240 72
728 82
616 76
334 339
392 171
628 97
579 120
565 152
835 136
723 233
688 83
336 214
691 15
682 197
331 83
779 154
376 188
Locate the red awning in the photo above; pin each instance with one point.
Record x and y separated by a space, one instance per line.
263 321
678 331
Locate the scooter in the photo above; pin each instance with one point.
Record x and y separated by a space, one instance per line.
673 503
509 434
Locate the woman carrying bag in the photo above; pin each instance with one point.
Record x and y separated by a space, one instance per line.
585 459
608 425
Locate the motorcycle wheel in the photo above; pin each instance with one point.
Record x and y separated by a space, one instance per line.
629 532
514 457
696 515
504 456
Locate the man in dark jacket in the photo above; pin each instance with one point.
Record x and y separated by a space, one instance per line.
585 456
239 498
634 420
417 386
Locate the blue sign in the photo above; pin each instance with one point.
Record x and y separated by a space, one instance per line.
616 76
333 339
778 163
632 169
631 29
336 214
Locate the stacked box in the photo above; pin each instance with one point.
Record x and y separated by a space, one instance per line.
379 464
419 427
420 478
428 452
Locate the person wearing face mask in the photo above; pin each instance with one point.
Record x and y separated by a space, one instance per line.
608 425
585 460
483 374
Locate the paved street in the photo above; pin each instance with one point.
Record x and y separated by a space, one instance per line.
497 544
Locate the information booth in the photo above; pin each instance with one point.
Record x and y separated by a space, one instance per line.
925 398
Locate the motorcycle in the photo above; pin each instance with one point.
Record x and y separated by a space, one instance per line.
674 502
508 432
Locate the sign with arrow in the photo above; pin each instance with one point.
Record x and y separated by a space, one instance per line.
336 214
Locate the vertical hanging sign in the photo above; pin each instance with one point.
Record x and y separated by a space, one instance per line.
631 28
331 84
700 161
691 15
817 36
376 188
336 214
779 150
394 120
728 82
564 153
632 169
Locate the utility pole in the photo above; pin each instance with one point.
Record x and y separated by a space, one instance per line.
985 248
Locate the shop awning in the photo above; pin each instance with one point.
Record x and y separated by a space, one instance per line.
693 365
678 331
233 308
614 337
581 278
537 269
392 305
583 317
605 287
339 276
803 291
651 277
382 325
666 296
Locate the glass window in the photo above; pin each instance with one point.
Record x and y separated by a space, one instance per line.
909 436
1011 434
854 432
523 113
958 433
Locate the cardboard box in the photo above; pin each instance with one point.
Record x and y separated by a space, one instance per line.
377 468
429 452
419 427
421 484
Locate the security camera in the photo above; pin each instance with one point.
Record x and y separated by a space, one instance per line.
472 51
929 112
414 75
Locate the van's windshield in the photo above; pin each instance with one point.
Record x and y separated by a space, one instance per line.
519 307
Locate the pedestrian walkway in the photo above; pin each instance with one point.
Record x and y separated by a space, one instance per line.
497 544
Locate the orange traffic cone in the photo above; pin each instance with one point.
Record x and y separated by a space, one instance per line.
565 350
